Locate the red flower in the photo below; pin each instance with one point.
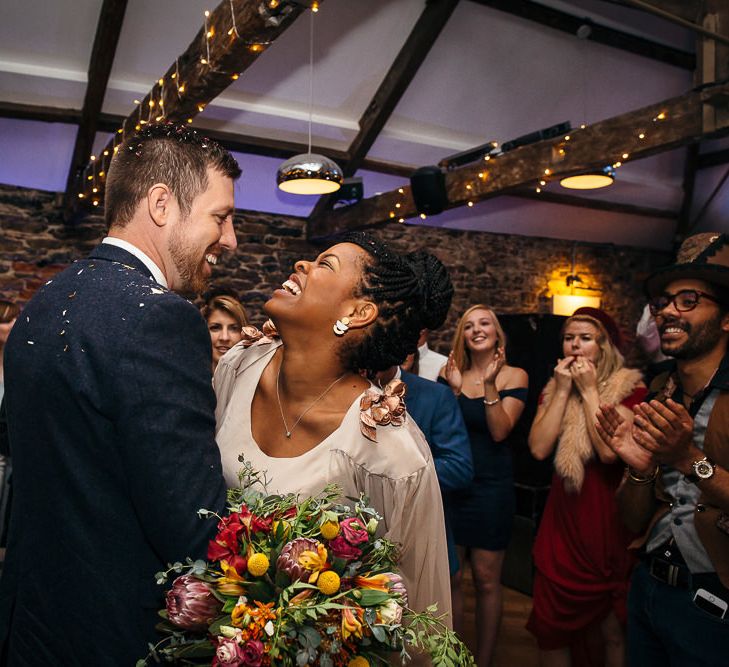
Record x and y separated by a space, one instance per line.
225 544
343 549
252 653
260 524
354 531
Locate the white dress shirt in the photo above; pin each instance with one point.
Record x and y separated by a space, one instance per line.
141 256
430 362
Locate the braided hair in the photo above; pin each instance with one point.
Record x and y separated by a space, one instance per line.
412 292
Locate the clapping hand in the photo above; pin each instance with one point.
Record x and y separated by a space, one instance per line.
618 434
666 431
496 364
453 375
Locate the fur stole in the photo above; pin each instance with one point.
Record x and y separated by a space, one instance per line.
574 448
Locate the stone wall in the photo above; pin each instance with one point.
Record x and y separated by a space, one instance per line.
514 274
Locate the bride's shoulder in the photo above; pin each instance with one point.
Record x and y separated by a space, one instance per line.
398 451
253 347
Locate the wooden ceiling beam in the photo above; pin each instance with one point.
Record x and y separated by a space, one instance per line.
238 143
689 10
108 29
398 78
232 37
401 73
673 12
712 159
569 23
653 129
595 204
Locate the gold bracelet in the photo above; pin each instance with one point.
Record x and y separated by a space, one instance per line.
641 479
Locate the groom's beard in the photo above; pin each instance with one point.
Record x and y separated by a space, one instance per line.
189 262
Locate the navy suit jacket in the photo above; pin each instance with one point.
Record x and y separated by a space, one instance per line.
111 426
436 411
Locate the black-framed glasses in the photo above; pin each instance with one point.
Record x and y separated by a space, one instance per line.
683 301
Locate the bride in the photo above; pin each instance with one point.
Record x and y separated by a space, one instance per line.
300 410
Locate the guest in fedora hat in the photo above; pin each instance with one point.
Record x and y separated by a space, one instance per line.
675 492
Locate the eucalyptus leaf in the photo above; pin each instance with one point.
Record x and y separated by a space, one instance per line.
378 632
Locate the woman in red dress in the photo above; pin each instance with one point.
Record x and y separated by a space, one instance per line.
580 553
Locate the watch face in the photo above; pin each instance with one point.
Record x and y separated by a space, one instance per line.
703 469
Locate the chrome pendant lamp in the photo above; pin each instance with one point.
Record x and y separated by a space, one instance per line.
310 173
592 179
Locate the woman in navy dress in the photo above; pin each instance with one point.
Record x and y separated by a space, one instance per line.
491 396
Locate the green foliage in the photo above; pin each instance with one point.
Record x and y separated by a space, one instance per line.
306 625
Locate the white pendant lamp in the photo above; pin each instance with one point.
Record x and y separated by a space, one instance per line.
310 173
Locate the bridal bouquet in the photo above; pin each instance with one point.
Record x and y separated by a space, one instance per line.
291 582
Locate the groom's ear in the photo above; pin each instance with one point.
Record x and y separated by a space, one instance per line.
159 203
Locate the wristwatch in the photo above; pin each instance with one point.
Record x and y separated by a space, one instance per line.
703 469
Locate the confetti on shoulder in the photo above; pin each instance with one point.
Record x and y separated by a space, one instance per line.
156 290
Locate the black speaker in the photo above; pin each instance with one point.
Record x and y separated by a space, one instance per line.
429 191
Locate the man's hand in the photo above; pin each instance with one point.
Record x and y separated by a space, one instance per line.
666 430
618 434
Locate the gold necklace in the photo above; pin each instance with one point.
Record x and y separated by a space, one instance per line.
289 431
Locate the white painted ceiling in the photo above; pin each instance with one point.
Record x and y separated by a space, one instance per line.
489 76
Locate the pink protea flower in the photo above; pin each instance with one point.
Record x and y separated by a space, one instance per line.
191 604
288 560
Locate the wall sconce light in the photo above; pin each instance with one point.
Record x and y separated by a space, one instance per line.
566 304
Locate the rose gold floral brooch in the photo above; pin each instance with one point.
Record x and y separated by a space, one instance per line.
387 407
251 335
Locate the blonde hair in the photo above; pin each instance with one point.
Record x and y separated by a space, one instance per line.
227 304
461 354
610 360
8 311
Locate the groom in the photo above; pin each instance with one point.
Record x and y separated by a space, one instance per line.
110 412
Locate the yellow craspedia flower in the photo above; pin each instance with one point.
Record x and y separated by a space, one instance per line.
328 582
258 564
359 661
329 530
